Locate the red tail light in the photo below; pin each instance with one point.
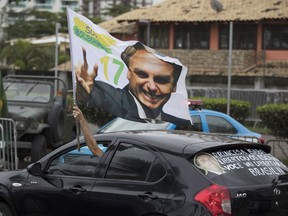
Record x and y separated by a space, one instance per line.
261 140
216 199
195 104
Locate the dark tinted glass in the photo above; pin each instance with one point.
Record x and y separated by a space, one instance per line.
197 124
190 36
134 163
275 37
244 36
239 166
219 125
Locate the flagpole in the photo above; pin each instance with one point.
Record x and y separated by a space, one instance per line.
74 81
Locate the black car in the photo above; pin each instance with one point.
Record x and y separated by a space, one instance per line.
152 173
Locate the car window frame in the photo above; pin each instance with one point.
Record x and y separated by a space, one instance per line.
74 148
151 149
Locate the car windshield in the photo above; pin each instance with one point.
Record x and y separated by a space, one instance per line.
119 124
239 166
30 92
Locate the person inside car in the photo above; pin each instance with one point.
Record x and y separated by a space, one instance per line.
90 141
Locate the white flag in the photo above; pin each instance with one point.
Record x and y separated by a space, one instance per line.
125 78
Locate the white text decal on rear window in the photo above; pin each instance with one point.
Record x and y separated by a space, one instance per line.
256 161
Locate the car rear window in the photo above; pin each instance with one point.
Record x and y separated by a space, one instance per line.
243 166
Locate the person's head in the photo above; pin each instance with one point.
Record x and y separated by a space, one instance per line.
207 162
151 80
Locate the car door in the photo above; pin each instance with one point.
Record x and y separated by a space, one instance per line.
63 189
137 182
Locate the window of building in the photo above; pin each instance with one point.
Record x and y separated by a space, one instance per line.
159 35
244 36
191 36
132 162
275 37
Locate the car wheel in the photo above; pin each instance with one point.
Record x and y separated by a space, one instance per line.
56 122
38 148
5 210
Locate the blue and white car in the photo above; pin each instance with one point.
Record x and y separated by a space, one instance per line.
204 120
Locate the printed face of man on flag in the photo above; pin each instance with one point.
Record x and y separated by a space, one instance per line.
125 78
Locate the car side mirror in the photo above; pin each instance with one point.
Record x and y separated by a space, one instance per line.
35 169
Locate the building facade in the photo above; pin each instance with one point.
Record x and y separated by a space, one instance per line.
198 34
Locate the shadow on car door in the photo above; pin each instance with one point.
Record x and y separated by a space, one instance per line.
63 190
136 183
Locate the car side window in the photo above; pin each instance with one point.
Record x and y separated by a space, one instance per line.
75 163
133 162
218 124
197 125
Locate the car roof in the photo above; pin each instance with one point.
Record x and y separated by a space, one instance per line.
176 140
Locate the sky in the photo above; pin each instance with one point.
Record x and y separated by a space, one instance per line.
157 1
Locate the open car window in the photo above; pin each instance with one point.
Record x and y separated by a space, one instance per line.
239 166
76 162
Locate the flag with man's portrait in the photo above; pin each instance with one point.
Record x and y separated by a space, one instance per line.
126 78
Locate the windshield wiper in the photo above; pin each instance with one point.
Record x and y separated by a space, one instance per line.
9 85
32 87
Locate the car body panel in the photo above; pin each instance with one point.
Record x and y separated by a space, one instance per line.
260 200
141 173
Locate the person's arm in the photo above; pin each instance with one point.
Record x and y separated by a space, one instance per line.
90 141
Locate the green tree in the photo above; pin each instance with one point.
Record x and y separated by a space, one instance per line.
33 23
23 55
118 9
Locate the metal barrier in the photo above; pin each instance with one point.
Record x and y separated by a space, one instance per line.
279 149
8 145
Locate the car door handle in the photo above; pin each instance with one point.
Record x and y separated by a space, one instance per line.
77 189
147 195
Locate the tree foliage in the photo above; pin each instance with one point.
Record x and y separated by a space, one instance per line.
33 23
118 9
275 118
23 55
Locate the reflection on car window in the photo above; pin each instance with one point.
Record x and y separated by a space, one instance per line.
239 166
218 124
76 163
135 163
197 125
